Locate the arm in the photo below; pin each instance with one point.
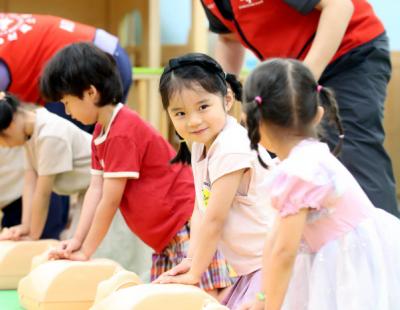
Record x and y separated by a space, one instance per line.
279 256
22 230
328 38
113 189
40 205
229 52
90 202
30 178
195 223
221 198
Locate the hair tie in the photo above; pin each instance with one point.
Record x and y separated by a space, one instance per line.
319 87
258 99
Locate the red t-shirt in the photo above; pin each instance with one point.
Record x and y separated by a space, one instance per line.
159 197
28 41
274 28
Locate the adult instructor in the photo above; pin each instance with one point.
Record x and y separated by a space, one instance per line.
345 46
28 41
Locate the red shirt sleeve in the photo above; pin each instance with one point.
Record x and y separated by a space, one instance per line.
96 166
122 158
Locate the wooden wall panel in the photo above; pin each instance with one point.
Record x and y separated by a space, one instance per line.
91 12
392 118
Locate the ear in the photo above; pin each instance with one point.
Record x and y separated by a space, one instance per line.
92 93
229 100
319 115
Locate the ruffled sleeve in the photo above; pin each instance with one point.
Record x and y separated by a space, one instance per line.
306 179
290 193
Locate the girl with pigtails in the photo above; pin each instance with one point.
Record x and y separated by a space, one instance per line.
231 211
329 248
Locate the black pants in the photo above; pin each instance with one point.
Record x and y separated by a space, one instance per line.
56 220
359 80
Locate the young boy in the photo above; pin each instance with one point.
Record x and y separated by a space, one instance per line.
130 166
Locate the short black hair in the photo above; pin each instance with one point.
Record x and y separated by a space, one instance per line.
9 105
78 66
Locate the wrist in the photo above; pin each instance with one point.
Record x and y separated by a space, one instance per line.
260 296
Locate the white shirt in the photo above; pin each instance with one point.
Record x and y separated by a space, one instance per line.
58 147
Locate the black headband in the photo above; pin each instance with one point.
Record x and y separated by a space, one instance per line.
209 66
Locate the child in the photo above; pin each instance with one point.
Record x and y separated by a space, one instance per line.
57 157
330 248
130 166
232 212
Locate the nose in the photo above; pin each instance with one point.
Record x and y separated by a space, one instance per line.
194 120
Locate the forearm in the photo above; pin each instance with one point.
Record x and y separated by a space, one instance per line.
278 269
90 202
206 246
327 39
100 225
27 197
195 223
230 54
40 210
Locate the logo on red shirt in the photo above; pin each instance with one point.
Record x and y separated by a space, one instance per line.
14 25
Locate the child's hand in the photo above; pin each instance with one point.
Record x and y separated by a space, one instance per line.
78 256
183 278
182 267
253 305
14 233
64 250
5 234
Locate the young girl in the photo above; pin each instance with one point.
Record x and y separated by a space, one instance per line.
231 212
131 167
57 157
330 248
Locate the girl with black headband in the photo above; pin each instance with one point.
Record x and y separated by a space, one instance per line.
231 211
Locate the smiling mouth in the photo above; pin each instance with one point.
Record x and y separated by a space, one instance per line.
198 132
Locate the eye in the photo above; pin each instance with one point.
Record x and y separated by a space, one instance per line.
179 114
203 107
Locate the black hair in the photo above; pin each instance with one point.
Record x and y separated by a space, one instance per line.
283 92
189 71
78 66
9 105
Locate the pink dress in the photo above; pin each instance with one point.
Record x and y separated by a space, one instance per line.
349 256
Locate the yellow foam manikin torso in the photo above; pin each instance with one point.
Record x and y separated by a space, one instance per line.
64 284
16 257
160 297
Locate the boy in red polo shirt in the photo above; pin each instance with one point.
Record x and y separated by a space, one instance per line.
130 166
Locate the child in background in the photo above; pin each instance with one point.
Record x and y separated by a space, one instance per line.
330 248
231 210
131 167
57 157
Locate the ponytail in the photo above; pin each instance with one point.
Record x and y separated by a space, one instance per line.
8 107
329 103
235 85
253 119
183 155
